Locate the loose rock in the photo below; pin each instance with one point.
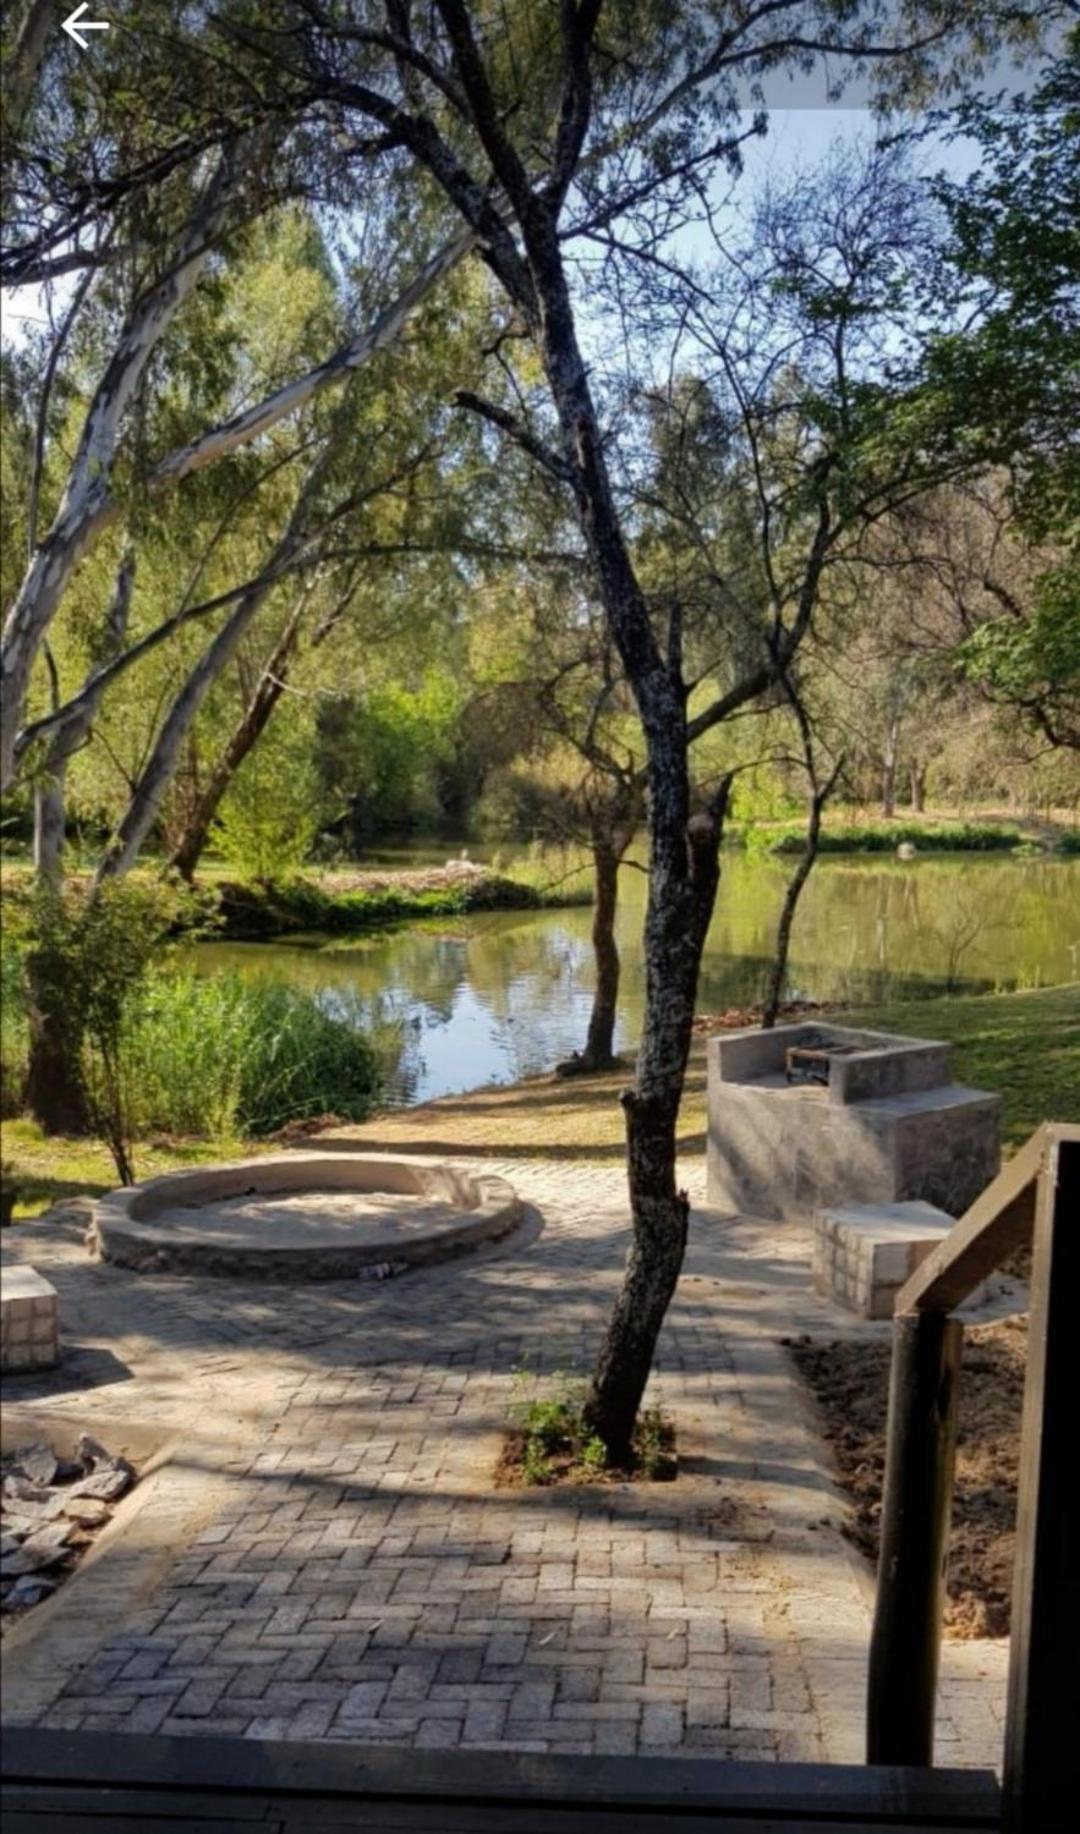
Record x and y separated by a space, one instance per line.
37 1463
88 1511
106 1481
50 1508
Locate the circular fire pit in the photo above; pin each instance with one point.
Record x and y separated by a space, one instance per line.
303 1216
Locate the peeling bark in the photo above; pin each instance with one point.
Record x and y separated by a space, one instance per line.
86 505
71 736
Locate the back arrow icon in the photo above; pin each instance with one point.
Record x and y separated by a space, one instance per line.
75 25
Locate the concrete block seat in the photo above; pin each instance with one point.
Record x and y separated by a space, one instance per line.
864 1253
809 1115
304 1216
29 1321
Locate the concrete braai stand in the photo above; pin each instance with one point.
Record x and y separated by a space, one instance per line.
810 1115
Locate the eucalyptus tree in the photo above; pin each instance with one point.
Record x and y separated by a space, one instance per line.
148 162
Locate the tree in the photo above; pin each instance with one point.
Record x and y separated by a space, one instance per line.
445 89
1006 381
820 784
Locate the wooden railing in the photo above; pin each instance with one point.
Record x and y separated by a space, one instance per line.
1036 1199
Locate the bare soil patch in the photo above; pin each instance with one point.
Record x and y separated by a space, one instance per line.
850 1382
550 1453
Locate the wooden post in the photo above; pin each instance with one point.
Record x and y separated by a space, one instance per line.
919 1456
1040 1724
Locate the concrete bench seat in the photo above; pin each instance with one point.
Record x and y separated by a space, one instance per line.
863 1253
29 1321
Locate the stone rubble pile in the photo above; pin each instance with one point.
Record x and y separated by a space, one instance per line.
49 1510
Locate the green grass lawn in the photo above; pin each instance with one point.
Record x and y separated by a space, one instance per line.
48 1167
1025 1046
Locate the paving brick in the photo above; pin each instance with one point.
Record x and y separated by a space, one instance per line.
360 1581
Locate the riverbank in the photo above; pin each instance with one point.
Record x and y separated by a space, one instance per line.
856 831
1025 1046
349 902
346 901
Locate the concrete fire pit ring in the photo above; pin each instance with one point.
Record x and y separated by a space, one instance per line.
304 1216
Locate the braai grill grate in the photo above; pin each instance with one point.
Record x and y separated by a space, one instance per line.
809 1062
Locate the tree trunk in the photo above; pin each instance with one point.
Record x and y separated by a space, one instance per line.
146 798
55 1093
600 1041
888 767
55 1090
787 913
918 788
684 863
684 869
86 505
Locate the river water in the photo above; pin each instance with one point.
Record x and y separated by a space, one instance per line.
499 995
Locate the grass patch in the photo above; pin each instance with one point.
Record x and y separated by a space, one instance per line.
549 1443
47 1168
1025 1046
250 912
349 902
886 837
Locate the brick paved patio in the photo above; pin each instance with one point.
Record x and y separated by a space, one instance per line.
325 1556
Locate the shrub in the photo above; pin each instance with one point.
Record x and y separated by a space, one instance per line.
552 1440
82 960
225 1055
14 1029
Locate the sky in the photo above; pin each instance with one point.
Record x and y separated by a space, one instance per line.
798 138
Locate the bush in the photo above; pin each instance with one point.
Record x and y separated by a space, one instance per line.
83 958
14 1029
226 1055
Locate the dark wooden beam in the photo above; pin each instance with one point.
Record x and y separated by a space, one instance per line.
919 1457
997 1222
1041 1779
533 1791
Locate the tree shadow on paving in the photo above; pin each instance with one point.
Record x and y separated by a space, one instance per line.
540 1299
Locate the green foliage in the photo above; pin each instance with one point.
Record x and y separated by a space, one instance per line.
272 812
14 1029
252 911
227 1055
887 836
179 1054
86 961
556 1440
394 745
1035 659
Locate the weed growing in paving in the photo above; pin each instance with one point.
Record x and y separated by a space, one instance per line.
550 1441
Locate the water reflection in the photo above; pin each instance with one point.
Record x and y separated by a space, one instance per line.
500 995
